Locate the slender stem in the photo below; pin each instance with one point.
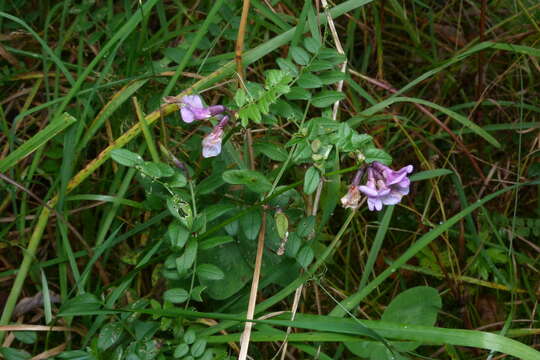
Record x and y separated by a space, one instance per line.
240 39
23 270
253 293
146 131
339 49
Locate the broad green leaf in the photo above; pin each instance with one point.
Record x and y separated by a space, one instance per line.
176 296
251 223
26 337
309 81
416 306
178 180
186 260
231 261
294 243
198 347
196 292
209 272
331 55
312 178
299 55
312 45
81 303
254 180
374 154
320 65
210 184
306 226
190 336
212 212
151 169
144 329
275 78
177 235
109 335
181 350
207 355
241 98
331 77
298 93
273 151
287 66
305 256
282 224
326 98
14 354
215 241
175 54
126 157
166 170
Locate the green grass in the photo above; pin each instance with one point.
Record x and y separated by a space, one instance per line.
108 238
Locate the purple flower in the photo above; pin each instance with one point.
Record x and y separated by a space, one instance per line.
192 109
212 142
385 186
394 177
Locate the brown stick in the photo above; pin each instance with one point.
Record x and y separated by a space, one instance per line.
253 293
240 39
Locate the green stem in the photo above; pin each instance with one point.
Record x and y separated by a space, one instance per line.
23 271
249 57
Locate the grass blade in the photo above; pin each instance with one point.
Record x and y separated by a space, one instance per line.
36 141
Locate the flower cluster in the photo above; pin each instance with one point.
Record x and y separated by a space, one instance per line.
192 109
384 186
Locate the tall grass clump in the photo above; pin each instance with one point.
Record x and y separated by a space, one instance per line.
269 179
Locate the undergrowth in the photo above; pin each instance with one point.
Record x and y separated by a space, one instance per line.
360 179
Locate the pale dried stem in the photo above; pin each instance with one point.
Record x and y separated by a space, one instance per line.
244 341
339 49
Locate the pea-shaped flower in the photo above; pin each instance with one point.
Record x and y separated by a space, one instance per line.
212 142
192 108
384 186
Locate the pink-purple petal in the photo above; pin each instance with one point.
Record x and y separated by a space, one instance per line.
193 101
368 191
187 115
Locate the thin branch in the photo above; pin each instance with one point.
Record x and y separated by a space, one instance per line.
240 39
253 293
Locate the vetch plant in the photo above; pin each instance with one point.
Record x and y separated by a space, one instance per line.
176 239
212 142
192 109
384 186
